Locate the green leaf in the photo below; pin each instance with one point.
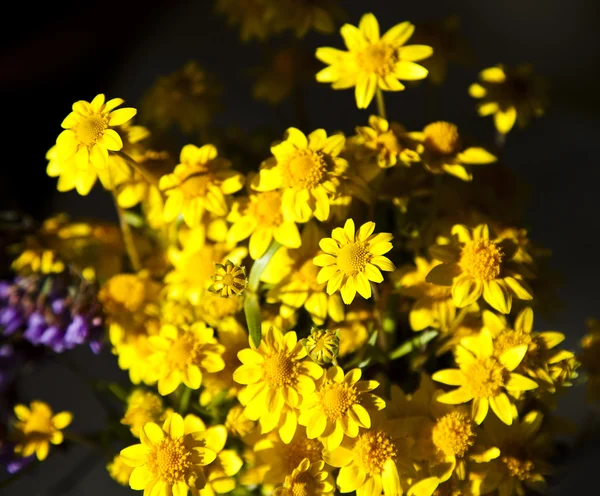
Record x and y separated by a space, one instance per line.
412 344
253 321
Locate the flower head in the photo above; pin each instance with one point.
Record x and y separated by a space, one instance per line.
352 259
372 61
119 471
322 345
228 279
169 460
307 480
307 169
37 427
142 407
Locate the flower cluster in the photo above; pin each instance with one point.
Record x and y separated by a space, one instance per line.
314 313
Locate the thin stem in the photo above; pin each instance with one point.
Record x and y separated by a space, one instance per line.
77 438
137 167
184 402
130 247
500 140
380 103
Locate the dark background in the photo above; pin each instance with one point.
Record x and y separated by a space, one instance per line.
60 52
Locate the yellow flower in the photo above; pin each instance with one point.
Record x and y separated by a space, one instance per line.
184 354
200 182
373 62
475 265
354 329
169 460
336 408
89 134
119 470
369 462
277 377
307 169
228 279
353 259
307 479
37 427
590 359
510 95
237 423
322 345
142 407
441 150
261 218
42 261
294 278
483 377
385 142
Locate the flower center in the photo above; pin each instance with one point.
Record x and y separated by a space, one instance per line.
304 170
279 370
303 485
128 290
453 434
267 209
442 138
337 398
373 449
485 377
481 259
301 447
90 129
169 460
521 469
183 352
196 186
378 58
353 258
510 338
38 423
388 143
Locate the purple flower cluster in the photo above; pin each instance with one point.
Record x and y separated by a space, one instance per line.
57 311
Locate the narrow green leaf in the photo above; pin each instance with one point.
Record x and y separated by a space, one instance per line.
253 321
412 344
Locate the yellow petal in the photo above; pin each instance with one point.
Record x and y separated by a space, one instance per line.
505 119
451 377
134 456
369 27
364 91
460 395
390 479
480 409
62 419
518 382
513 357
348 291
496 294
410 71
121 116
139 478
502 408
414 53
466 291
425 487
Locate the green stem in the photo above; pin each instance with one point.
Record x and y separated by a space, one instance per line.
130 247
380 103
138 168
79 439
184 402
412 344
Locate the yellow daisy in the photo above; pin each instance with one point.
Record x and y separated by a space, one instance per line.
119 471
307 479
483 378
322 345
37 427
228 279
353 259
199 183
441 150
277 377
237 423
142 407
307 169
261 218
336 408
89 132
170 461
355 329
373 62
510 95
476 265
184 354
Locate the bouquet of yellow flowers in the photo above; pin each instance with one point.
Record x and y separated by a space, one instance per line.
338 312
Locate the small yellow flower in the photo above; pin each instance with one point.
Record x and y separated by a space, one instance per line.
277 377
354 330
336 408
89 132
352 259
373 62
261 217
307 479
37 427
237 423
43 261
322 345
441 150
119 470
199 183
169 460
510 95
228 279
142 407
483 377
476 265
307 169
184 354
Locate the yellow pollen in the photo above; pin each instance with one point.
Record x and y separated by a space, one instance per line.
337 398
521 469
442 138
303 485
373 449
170 460
305 170
184 352
128 290
38 423
481 259
485 377
353 258
228 280
279 370
90 129
453 434
378 58
301 447
510 338
267 209
196 186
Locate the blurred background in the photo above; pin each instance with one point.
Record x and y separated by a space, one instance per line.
65 51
